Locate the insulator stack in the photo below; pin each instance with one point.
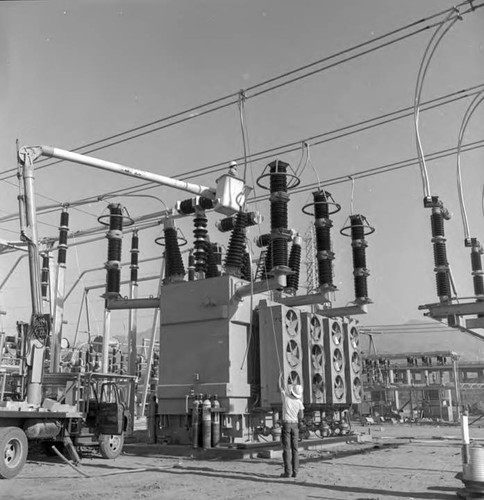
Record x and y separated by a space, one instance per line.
295 265
200 244
134 257
205 203
279 252
278 177
278 185
212 257
235 252
264 240
228 224
279 219
279 197
191 267
246 270
225 225
359 244
115 236
187 207
63 230
358 229
174 268
441 269
477 274
323 225
44 276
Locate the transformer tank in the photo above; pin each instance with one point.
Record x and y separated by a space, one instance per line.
204 337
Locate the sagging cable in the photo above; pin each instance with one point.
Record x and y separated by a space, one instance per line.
243 127
424 65
308 162
467 116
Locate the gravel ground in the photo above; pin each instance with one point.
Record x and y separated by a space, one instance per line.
389 462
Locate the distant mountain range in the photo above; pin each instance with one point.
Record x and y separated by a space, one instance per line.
422 337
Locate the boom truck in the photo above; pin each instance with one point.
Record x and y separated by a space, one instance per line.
38 401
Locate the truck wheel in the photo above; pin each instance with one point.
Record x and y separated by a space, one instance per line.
13 451
111 445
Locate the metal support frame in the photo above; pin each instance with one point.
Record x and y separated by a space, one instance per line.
229 195
149 360
343 311
442 310
28 221
121 303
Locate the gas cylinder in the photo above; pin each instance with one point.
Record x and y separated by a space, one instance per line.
215 421
345 428
206 423
195 422
325 429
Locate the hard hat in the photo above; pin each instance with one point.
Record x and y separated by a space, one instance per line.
297 391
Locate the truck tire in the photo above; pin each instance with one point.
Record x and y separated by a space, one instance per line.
13 451
111 445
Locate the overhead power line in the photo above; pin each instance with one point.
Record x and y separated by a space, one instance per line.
292 146
232 98
340 132
389 167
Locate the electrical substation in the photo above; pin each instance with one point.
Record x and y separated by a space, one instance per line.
233 314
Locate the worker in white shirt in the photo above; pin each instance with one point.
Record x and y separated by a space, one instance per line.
292 412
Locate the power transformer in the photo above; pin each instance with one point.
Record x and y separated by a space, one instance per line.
353 367
336 387
314 359
280 350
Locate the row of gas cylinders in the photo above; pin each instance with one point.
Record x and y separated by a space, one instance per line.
205 429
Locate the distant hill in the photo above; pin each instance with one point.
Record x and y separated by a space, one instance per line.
414 336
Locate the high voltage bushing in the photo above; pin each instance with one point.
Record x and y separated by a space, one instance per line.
115 238
44 275
264 240
279 250
200 244
228 224
191 266
246 270
294 265
189 206
114 235
441 269
134 257
236 248
174 268
63 230
212 260
322 207
279 217
359 228
280 181
477 273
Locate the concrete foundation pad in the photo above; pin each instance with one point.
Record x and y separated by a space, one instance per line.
236 451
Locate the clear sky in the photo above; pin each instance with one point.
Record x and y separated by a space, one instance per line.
75 72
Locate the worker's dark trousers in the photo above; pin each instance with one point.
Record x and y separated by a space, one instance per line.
290 438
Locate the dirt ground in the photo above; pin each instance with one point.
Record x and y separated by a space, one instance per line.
391 462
